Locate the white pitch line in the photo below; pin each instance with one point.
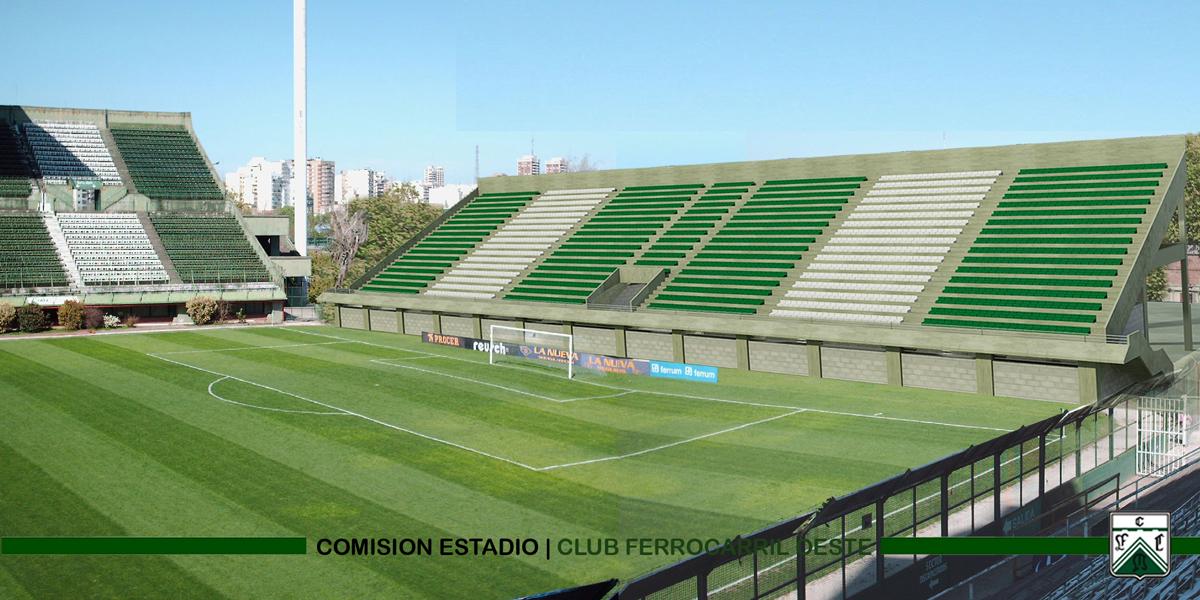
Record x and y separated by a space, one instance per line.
383 361
352 413
300 412
699 437
255 348
705 398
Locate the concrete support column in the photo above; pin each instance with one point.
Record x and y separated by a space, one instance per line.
520 324
984 380
1183 280
1089 382
366 318
399 321
477 327
276 315
622 351
568 328
677 347
1145 314
337 315
894 369
814 359
743 352
437 322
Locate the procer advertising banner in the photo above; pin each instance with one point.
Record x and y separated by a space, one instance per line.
599 362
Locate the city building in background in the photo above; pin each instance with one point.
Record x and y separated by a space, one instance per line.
529 165
435 177
557 164
263 184
321 179
360 183
448 195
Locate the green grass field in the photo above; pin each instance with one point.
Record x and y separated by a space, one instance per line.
275 431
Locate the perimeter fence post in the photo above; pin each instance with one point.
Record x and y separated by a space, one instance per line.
945 505
996 485
1041 466
879 570
702 586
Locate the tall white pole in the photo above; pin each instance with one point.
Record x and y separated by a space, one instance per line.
300 172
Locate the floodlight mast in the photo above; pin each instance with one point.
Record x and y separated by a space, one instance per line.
300 115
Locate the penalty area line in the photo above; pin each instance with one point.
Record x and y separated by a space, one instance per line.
709 399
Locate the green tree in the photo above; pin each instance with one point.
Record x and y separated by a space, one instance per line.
1156 282
395 217
324 274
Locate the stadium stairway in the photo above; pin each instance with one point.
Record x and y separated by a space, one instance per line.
62 249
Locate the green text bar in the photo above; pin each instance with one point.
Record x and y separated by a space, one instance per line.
152 545
1016 545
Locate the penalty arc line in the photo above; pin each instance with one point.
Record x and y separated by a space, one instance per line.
300 412
352 413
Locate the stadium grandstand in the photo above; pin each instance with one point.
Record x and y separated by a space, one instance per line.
1013 271
123 210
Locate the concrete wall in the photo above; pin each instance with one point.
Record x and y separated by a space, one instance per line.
851 364
955 374
458 326
651 346
1114 381
352 318
1036 382
775 357
486 328
417 323
551 327
710 351
384 320
595 341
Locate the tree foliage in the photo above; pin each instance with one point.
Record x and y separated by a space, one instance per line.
1156 282
71 315
202 309
395 217
324 274
31 318
347 234
582 165
8 314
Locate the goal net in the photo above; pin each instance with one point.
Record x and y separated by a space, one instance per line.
532 349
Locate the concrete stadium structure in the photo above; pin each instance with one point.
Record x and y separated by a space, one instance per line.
124 210
1012 271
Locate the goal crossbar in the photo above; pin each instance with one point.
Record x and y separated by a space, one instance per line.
524 334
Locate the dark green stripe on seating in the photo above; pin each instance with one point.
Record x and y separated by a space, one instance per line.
1129 167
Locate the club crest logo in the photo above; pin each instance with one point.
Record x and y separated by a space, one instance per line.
1139 544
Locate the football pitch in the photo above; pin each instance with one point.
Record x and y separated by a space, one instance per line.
332 433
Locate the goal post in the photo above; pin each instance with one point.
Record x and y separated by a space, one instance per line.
524 345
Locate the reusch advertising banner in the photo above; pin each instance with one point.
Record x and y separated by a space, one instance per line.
598 362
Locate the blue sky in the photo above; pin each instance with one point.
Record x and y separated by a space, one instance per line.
396 86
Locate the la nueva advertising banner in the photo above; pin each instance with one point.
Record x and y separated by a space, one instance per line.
598 362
